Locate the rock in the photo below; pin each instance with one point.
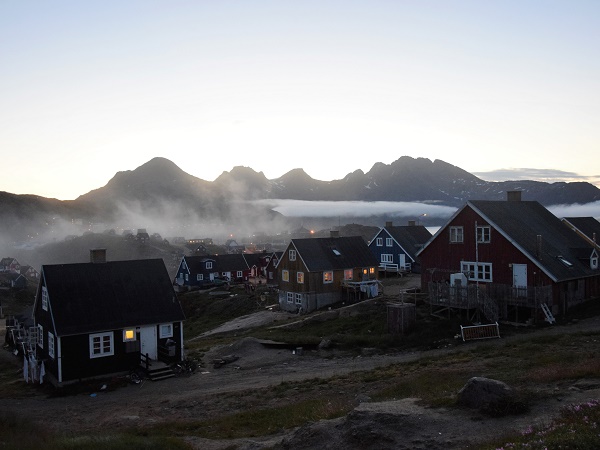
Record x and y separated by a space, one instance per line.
324 344
485 393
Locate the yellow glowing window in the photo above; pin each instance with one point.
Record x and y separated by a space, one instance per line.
372 270
129 335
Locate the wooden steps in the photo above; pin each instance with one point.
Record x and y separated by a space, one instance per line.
159 371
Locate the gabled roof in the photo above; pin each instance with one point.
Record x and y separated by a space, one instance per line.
196 264
92 297
558 250
410 237
587 226
334 253
231 262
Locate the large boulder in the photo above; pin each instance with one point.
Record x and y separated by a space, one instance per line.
490 396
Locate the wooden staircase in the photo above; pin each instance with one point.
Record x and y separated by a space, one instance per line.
158 370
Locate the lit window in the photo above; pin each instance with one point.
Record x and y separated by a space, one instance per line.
101 344
328 277
371 270
285 275
166 330
483 234
388 242
300 277
292 255
128 335
456 234
348 274
379 242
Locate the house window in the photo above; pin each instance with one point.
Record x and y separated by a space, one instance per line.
129 334
187 277
387 258
379 242
348 274
292 255
388 242
372 270
456 235
44 298
328 277
40 341
50 345
240 274
200 277
483 234
209 264
298 299
285 275
165 330
594 262
300 277
101 344
477 271
270 275
290 297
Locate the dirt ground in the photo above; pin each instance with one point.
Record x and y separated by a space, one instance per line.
260 369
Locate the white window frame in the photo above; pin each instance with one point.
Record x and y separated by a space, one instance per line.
51 345
328 277
44 298
40 341
387 258
240 274
200 277
292 255
187 277
298 297
165 330
209 265
285 275
290 297
484 234
300 277
379 242
348 274
457 235
477 271
102 349
594 262
389 242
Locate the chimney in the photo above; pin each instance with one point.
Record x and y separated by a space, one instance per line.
389 224
538 247
334 233
412 223
513 196
98 255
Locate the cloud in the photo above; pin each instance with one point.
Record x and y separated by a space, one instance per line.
303 208
546 175
576 210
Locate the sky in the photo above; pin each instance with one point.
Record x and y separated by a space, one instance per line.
505 90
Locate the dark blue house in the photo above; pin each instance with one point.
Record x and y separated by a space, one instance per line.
206 271
396 247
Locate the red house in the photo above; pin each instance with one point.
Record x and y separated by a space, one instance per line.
511 260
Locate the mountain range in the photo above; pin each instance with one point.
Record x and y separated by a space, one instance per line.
162 196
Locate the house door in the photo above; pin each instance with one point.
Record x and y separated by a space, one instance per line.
401 261
520 279
148 342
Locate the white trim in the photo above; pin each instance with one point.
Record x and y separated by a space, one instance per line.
167 334
101 349
51 345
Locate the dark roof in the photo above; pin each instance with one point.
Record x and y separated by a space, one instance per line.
334 253
196 263
231 262
410 237
588 226
93 297
522 221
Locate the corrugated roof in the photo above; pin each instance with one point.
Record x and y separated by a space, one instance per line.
334 253
523 221
92 297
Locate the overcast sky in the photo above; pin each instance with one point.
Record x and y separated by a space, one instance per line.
504 89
